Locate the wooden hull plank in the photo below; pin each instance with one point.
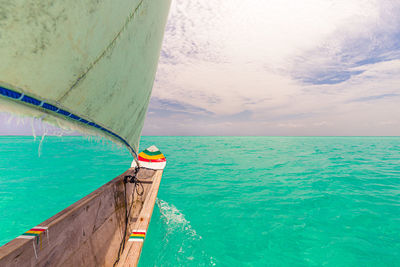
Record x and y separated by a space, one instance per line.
87 233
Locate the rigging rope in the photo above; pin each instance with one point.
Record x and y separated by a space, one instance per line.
136 185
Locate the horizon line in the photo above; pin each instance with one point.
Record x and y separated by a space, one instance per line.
82 135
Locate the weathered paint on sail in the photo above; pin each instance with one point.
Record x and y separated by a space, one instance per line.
94 59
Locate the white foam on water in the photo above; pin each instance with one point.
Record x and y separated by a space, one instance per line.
175 220
177 224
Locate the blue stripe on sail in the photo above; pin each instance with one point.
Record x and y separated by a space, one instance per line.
9 93
63 112
49 107
74 117
33 101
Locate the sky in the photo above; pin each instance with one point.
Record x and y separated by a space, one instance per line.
278 67
275 67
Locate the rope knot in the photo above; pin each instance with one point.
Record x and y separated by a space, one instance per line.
135 181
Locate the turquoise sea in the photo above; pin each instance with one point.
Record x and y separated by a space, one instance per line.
227 201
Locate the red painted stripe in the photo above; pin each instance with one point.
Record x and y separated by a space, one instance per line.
39 230
152 160
139 233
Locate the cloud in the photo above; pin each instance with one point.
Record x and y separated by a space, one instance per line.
253 68
373 97
167 106
278 67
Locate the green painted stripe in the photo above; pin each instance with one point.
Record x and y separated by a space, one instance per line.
152 153
136 237
30 234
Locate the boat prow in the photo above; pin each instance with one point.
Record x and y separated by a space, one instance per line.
105 228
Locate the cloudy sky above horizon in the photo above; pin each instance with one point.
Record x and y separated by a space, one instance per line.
276 67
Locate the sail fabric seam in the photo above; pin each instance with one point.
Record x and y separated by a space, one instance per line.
20 97
130 17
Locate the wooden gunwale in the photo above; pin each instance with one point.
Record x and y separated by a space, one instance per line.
89 232
131 254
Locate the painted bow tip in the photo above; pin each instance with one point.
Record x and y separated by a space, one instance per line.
151 158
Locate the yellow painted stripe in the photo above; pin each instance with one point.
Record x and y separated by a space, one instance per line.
161 156
132 235
34 232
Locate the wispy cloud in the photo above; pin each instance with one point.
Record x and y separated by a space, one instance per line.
279 67
373 97
265 66
167 106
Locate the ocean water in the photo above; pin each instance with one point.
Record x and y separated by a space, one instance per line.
228 201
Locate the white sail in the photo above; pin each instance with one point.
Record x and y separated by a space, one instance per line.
90 64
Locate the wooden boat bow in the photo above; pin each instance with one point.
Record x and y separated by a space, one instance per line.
90 231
